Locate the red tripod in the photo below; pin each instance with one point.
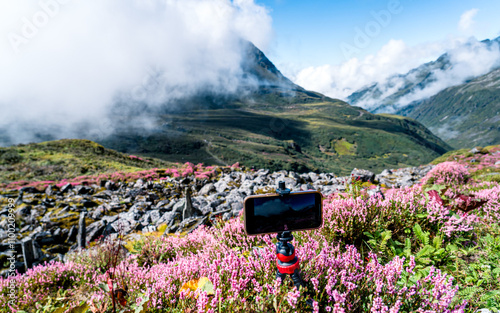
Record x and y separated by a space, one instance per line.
287 262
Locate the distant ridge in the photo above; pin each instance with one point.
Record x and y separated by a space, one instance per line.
273 123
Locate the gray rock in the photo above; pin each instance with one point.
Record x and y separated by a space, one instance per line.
87 203
82 231
205 190
262 172
29 190
105 195
150 217
307 187
51 190
206 209
133 193
168 218
475 150
259 181
134 214
95 230
73 231
188 211
149 229
110 185
98 212
376 192
162 203
24 212
124 226
110 219
363 175
139 183
83 190
222 185
236 206
66 188
141 206
179 206
386 172
227 216
305 178
313 177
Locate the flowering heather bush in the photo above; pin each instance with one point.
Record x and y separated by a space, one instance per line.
412 251
447 173
339 277
200 172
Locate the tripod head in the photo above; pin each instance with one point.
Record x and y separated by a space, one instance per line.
282 191
287 262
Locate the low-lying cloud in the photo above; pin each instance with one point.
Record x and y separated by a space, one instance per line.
65 63
390 70
340 81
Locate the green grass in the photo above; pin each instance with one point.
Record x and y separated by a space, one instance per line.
56 160
343 147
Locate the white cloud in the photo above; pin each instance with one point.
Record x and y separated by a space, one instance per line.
339 81
467 22
468 58
64 62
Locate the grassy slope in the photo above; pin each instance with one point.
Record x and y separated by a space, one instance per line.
56 160
311 135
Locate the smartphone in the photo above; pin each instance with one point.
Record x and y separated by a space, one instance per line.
274 213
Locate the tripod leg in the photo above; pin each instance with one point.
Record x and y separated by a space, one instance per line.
280 275
297 280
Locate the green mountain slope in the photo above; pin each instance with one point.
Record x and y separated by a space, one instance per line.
464 115
325 136
276 124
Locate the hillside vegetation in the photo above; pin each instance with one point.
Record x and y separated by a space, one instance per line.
57 160
299 137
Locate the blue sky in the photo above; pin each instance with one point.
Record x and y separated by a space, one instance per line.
310 33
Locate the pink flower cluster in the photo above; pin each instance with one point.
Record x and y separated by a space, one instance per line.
199 171
447 173
133 157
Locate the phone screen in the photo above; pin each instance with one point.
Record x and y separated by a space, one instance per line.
275 213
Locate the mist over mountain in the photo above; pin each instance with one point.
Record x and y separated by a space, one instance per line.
63 79
464 62
272 123
464 115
